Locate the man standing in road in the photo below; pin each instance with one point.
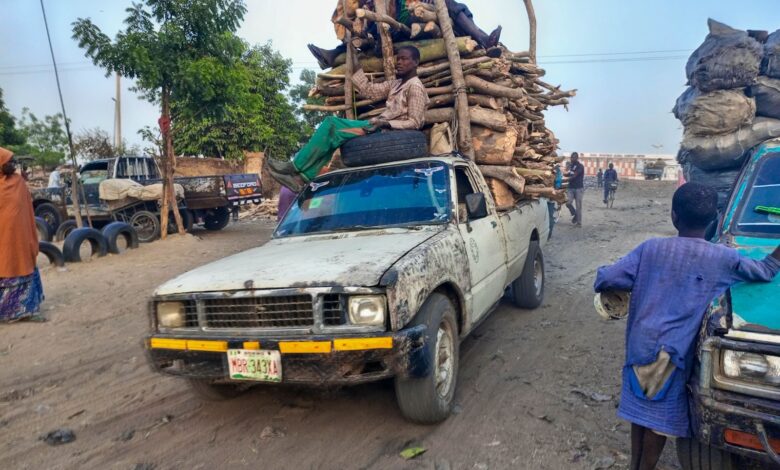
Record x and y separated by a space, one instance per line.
610 176
600 178
576 189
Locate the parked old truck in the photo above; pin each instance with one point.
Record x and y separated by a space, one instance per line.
375 272
207 199
735 401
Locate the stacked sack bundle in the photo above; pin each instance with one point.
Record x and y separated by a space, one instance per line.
507 99
732 105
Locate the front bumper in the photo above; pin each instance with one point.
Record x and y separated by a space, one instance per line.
311 360
736 422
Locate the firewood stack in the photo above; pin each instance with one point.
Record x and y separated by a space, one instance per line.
506 102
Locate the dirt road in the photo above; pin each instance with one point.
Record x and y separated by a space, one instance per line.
537 390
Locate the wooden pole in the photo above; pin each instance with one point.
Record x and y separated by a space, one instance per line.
169 168
388 54
465 145
382 18
349 94
529 7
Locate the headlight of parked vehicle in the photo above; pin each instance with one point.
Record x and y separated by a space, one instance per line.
368 310
170 314
751 366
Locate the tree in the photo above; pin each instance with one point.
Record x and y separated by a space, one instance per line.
9 134
94 144
262 119
300 96
182 51
529 7
45 139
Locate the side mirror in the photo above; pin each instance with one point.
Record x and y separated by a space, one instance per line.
476 206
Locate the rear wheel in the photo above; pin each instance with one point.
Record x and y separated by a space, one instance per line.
217 219
49 212
528 289
211 391
695 455
429 399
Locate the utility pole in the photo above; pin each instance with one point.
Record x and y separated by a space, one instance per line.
118 113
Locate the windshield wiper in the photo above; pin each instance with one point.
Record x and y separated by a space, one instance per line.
767 210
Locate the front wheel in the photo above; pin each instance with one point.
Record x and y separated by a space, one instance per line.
217 219
210 391
528 289
428 400
695 455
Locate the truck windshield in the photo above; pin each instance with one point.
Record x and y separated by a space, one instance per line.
394 196
759 211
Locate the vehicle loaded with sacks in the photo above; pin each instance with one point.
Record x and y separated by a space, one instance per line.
735 402
207 199
377 271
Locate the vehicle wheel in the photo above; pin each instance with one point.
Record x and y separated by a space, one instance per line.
528 289
114 230
217 219
694 455
384 147
211 391
187 219
429 399
64 230
146 225
44 230
49 212
72 246
52 253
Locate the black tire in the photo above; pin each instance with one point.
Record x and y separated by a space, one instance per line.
694 455
64 230
384 147
53 253
420 400
528 289
50 213
44 230
187 219
217 219
73 243
114 230
146 226
211 391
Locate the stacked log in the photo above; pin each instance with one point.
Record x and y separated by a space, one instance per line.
506 95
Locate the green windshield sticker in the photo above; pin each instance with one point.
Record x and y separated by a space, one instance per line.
315 203
768 210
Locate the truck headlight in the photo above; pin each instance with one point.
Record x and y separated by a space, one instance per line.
170 314
367 310
751 366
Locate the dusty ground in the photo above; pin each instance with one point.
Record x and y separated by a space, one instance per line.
537 390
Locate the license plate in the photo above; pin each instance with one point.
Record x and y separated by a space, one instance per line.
257 366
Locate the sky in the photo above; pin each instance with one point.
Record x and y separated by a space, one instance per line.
625 58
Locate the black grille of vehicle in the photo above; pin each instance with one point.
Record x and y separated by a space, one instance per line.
333 312
190 314
260 312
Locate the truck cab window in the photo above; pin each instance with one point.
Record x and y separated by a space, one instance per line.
464 189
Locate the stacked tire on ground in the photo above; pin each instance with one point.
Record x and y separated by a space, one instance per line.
732 105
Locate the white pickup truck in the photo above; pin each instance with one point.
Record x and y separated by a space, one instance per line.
374 272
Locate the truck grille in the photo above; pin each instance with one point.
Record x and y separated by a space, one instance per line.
333 313
259 312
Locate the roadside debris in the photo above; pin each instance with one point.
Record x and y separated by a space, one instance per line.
58 437
269 432
412 452
595 396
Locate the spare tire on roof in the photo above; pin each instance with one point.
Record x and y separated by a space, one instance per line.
728 58
71 247
384 147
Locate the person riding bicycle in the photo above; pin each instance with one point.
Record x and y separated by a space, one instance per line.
610 181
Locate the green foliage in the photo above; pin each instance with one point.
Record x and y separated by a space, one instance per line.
45 139
185 50
9 134
260 119
300 96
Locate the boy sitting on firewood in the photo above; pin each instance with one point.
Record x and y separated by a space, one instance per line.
405 109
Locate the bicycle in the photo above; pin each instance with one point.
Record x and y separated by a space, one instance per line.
611 194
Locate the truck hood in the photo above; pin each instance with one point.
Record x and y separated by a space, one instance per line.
756 306
355 259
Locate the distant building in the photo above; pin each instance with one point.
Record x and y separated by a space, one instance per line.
628 166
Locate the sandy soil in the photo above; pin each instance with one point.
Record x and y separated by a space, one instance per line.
537 390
